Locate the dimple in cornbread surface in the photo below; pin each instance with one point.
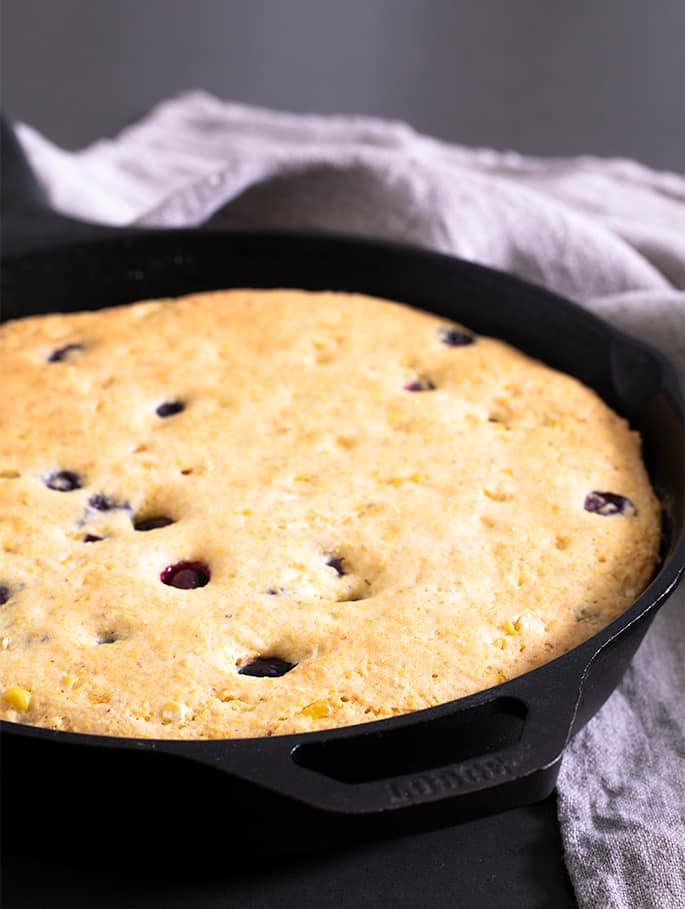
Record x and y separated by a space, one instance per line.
247 513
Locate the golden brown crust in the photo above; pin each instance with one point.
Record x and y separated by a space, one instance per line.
456 514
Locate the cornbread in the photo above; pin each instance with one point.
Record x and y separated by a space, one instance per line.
248 513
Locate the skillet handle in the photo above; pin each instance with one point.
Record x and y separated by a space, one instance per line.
500 748
28 221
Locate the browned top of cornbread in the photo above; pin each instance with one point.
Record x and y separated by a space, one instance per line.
389 512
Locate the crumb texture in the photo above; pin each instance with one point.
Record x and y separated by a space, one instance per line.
248 513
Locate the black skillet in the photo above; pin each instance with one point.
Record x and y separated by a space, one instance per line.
474 756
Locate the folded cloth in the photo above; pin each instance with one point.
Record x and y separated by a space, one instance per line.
607 233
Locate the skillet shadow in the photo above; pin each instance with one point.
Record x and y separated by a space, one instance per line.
511 858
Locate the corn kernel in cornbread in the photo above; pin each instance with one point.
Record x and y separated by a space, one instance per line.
17 698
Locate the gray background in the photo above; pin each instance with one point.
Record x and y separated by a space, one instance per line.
546 77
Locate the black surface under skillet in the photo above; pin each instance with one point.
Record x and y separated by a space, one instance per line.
468 758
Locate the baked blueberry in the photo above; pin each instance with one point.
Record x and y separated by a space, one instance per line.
420 385
607 503
4 594
186 575
153 523
169 408
453 337
101 502
106 638
92 538
336 563
61 353
63 481
266 667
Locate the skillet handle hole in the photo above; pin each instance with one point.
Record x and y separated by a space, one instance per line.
460 736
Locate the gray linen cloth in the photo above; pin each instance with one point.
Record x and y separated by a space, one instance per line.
609 234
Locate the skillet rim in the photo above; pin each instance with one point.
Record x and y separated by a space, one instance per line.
668 575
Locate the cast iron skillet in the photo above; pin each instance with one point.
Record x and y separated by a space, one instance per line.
480 754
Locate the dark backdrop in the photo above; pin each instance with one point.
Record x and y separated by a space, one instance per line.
547 77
